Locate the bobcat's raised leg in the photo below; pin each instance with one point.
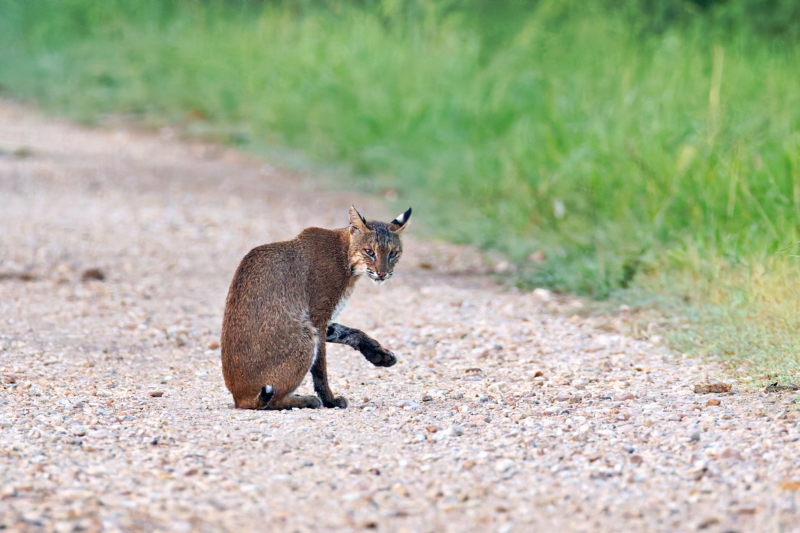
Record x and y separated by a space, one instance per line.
358 340
319 373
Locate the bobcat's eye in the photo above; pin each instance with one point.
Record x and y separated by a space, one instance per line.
393 254
370 253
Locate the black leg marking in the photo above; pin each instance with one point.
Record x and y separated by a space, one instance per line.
265 396
358 340
319 375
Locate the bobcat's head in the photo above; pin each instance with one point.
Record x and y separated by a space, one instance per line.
375 247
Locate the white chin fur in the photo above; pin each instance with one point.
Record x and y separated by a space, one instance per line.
377 282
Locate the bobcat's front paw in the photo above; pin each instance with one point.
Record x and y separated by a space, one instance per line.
337 401
380 356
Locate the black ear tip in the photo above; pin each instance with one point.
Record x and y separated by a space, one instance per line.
402 220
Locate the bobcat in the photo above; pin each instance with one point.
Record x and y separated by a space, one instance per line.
281 303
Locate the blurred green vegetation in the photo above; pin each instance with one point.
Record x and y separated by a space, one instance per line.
649 142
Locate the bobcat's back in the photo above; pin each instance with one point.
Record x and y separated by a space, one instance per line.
281 296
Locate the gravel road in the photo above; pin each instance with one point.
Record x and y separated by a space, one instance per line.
507 411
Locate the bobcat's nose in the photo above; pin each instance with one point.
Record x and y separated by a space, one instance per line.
381 275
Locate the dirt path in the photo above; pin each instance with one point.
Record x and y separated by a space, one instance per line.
566 426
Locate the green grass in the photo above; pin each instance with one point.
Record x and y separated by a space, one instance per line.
745 316
631 150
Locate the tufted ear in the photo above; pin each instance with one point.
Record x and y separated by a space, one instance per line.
357 222
401 222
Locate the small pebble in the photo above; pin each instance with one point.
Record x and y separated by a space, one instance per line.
93 274
504 465
456 430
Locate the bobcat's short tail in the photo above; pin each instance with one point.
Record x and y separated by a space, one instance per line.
265 396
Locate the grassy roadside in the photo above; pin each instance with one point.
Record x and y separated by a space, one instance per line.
646 165
744 316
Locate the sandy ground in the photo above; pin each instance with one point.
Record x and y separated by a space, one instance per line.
505 413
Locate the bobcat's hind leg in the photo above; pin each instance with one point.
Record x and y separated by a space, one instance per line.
266 400
290 373
358 340
319 373
293 400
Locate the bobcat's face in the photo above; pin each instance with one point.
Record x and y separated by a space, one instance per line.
375 247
